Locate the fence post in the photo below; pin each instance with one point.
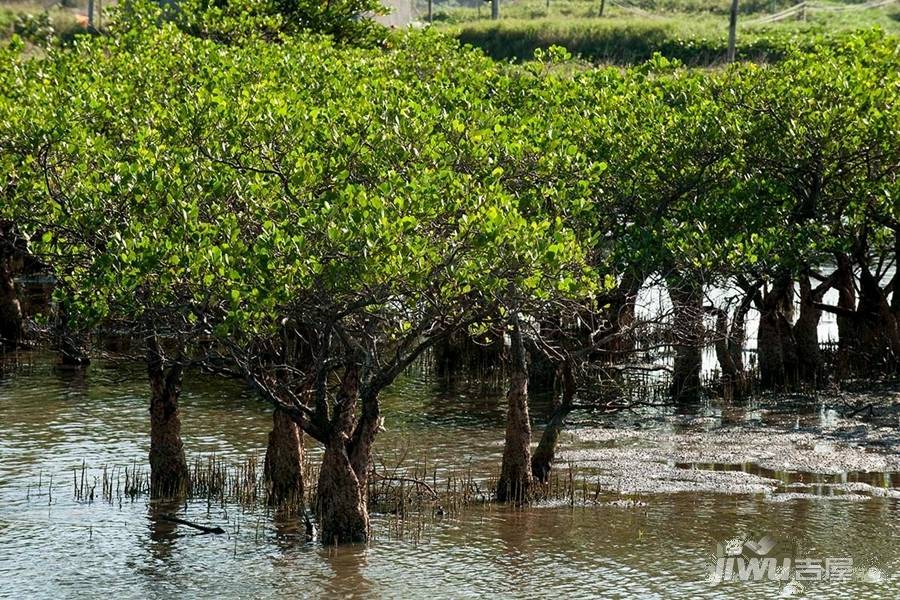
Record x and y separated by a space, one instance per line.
90 14
495 9
732 31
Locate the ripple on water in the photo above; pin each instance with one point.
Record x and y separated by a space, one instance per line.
654 545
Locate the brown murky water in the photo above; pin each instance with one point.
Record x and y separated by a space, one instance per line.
723 476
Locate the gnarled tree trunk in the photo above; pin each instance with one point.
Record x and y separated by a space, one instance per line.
341 497
284 461
846 317
732 372
515 472
169 476
737 335
622 314
806 331
878 334
686 294
776 351
729 343
545 453
342 494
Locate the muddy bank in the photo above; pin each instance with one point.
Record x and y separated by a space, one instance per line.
818 453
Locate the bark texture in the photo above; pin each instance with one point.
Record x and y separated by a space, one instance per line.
341 498
169 476
342 493
730 361
686 293
545 453
877 334
846 320
515 472
806 331
776 347
621 315
284 461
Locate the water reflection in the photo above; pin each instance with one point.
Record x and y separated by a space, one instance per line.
347 578
291 528
163 533
655 546
515 529
72 378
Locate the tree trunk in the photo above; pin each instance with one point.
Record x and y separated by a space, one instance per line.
769 351
738 334
776 351
895 280
169 475
723 345
515 472
848 334
687 302
72 346
542 461
729 344
806 332
341 497
622 314
342 494
879 339
732 379
284 461
10 309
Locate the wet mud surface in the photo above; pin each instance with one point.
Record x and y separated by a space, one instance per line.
839 446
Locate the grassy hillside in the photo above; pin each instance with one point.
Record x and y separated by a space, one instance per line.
694 31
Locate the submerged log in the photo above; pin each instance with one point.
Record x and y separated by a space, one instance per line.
203 528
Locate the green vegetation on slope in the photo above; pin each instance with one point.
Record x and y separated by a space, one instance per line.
694 32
